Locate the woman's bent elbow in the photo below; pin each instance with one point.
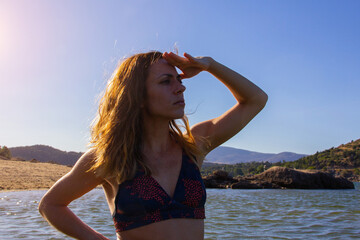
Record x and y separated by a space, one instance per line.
42 207
265 98
262 99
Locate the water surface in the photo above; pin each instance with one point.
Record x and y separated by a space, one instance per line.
231 214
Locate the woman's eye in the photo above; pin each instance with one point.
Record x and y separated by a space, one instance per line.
166 81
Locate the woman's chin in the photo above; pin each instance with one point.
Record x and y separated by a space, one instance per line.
178 115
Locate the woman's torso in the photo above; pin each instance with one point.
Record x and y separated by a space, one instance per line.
168 182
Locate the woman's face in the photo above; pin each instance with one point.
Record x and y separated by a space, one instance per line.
164 90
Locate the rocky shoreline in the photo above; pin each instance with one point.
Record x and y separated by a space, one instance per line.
26 175
278 178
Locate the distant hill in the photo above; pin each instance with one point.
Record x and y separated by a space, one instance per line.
224 155
229 155
44 153
345 156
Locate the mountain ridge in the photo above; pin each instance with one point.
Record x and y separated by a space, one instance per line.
45 153
224 155
229 155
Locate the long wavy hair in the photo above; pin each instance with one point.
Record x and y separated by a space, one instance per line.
116 134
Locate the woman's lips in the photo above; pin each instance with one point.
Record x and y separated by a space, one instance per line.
181 103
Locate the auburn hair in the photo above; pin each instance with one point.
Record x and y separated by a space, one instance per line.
116 134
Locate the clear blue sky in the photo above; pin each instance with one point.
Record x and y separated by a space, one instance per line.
55 57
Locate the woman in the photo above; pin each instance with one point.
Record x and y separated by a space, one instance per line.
148 168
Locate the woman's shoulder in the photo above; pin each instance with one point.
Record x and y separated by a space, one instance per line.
83 166
87 159
89 155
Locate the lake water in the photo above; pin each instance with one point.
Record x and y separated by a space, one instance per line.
231 214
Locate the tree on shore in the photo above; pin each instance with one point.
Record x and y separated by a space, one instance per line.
5 152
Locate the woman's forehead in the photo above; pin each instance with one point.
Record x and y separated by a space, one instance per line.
160 68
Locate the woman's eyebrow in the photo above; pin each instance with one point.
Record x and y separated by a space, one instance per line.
170 75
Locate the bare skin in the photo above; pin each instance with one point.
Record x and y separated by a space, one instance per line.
164 103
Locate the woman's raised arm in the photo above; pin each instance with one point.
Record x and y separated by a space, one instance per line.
53 206
250 99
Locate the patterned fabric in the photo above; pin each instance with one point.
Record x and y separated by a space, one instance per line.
143 201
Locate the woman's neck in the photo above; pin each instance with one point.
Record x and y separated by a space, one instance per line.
156 136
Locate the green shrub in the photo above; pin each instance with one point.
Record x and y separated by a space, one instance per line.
5 152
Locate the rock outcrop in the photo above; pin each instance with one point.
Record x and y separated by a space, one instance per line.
279 177
219 179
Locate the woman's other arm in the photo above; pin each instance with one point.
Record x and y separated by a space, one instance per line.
53 205
250 99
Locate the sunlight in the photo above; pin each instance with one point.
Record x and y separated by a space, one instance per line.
5 38
2 37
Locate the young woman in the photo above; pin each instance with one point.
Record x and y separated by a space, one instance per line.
147 167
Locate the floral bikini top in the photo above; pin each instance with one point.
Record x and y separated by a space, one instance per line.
142 201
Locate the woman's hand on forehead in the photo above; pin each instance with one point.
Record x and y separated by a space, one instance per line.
189 65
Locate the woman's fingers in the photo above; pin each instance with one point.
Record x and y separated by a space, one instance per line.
173 58
186 60
188 56
201 62
169 59
189 65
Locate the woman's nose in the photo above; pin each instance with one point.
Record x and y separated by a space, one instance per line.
180 89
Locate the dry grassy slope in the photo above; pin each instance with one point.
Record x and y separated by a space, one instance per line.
23 175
